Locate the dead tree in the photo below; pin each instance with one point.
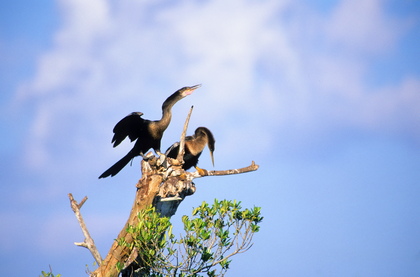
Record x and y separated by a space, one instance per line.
164 186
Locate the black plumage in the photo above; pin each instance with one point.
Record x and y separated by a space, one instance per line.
147 134
194 146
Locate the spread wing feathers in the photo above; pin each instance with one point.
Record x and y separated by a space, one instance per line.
131 126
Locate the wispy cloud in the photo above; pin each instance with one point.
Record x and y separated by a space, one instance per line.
363 26
258 70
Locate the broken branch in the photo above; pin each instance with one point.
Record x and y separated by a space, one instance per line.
88 242
180 156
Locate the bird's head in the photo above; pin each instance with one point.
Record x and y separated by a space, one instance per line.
204 132
188 90
176 96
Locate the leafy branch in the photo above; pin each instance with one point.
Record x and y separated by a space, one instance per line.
212 236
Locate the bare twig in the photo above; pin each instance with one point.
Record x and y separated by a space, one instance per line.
88 242
180 156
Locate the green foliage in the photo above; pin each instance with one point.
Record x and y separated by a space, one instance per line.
148 236
212 236
49 274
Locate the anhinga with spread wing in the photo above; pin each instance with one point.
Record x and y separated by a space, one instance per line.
194 146
148 134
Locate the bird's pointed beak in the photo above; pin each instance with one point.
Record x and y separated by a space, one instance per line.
212 158
195 87
191 89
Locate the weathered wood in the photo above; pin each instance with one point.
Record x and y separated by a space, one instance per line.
180 156
147 189
88 242
203 172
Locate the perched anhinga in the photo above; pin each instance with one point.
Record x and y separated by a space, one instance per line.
194 145
147 133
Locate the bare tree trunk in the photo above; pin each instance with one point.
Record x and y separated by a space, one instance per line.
147 189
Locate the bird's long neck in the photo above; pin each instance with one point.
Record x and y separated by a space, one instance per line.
197 145
166 111
165 120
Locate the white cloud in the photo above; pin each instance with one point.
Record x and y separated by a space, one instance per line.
257 70
343 46
385 107
362 26
84 23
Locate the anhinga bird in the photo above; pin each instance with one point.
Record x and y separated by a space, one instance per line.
147 133
194 145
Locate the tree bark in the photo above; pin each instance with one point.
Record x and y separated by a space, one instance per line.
88 242
147 189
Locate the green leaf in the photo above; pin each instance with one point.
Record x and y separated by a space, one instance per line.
209 232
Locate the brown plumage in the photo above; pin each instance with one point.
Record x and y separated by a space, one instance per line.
194 146
148 134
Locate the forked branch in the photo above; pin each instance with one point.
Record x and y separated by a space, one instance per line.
88 242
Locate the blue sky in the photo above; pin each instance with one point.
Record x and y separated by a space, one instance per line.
323 95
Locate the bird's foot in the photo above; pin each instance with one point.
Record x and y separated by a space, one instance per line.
183 176
201 171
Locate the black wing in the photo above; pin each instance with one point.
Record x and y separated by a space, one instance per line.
189 159
173 150
132 126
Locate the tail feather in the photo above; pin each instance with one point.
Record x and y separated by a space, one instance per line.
113 170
